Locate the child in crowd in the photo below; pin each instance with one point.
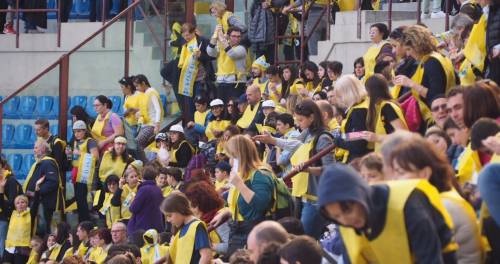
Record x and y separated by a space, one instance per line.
53 249
83 234
174 179
191 243
371 168
222 170
127 189
152 251
36 250
100 239
21 227
162 183
105 212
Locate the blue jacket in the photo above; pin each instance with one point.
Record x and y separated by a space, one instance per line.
145 208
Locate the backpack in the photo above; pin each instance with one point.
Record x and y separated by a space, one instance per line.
282 202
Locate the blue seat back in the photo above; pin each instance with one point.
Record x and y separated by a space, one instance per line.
117 104
28 160
7 135
11 107
23 136
54 129
90 107
27 106
82 7
70 131
44 106
15 161
80 100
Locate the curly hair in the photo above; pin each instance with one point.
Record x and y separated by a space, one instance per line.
203 195
420 39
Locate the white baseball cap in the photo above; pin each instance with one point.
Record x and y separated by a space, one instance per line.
216 102
79 125
269 103
176 128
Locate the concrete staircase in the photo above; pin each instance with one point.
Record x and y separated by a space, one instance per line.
37 51
344 44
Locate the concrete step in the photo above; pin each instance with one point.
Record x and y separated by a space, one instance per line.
396 6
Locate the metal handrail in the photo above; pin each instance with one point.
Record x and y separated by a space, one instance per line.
63 63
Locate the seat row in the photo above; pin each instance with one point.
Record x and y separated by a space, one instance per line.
34 107
24 136
20 164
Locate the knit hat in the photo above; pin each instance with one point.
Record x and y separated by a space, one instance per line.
176 128
216 102
261 63
223 166
79 125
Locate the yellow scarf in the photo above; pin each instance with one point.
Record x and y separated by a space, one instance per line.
189 67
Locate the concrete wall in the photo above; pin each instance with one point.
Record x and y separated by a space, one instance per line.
93 70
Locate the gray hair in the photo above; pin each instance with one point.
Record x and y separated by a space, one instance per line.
42 143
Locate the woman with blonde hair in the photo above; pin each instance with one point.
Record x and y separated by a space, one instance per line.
351 96
250 198
434 75
225 18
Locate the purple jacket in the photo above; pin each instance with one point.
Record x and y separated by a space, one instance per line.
145 208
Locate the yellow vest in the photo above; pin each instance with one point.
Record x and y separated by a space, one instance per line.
200 118
248 116
311 88
370 58
176 28
363 105
144 100
346 5
361 250
98 126
128 195
379 125
418 78
132 101
151 253
219 125
166 190
189 68
182 247
82 249
55 252
110 215
474 52
69 252
30 174
173 152
262 86
225 65
468 166
98 255
86 162
19 232
220 184
296 86
272 96
109 166
33 258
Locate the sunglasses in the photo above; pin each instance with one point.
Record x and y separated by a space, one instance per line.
437 107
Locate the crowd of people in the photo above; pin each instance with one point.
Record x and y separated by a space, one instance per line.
397 162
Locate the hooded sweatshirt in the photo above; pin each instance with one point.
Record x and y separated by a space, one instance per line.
426 228
152 251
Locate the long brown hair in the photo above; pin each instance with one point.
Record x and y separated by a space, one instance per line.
242 148
378 90
416 154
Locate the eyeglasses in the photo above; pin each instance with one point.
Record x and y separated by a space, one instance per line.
230 105
437 107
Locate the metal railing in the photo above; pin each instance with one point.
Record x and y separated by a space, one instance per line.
64 62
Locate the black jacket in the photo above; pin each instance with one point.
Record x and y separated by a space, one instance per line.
493 26
11 190
425 226
49 187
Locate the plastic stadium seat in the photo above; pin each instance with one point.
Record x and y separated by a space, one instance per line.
10 108
27 107
44 106
28 160
54 129
15 161
54 112
115 9
79 100
51 4
90 107
23 137
117 104
7 135
82 7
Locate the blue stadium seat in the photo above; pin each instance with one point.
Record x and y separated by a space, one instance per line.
73 13
23 136
163 99
70 131
115 9
54 112
117 104
28 160
82 7
51 4
27 107
33 137
79 100
10 108
8 135
44 106
15 161
90 107
54 129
